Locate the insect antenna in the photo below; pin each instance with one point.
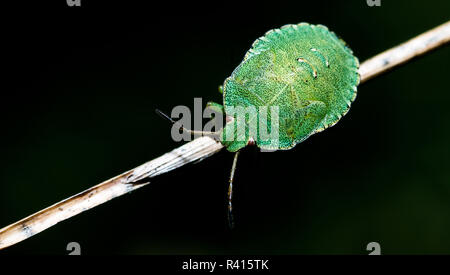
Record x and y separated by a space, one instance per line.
230 192
214 135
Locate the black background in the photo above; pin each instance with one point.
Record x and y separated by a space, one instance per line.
78 97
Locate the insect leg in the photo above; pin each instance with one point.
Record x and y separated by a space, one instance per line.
214 135
230 191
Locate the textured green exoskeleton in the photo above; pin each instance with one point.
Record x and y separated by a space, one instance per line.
305 71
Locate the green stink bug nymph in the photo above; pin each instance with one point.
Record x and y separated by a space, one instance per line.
303 70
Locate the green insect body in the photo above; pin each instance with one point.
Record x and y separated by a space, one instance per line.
305 70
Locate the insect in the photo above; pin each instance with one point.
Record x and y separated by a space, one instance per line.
305 71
